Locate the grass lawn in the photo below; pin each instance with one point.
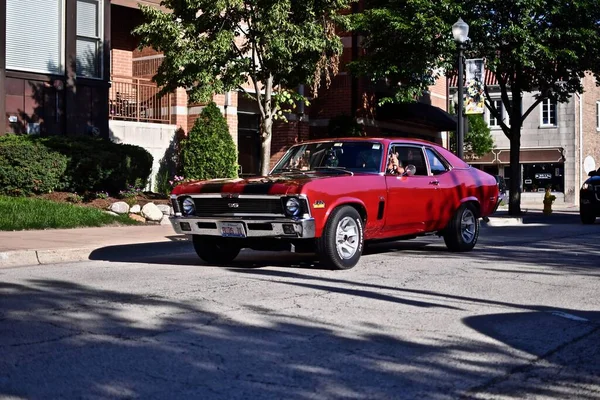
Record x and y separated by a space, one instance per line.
19 213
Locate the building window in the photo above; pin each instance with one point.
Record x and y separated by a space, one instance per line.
493 122
539 177
548 113
89 38
598 115
34 36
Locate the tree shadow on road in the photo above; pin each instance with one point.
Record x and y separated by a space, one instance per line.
63 339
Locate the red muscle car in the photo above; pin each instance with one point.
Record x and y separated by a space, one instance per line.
330 196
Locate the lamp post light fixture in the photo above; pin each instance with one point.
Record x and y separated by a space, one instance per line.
460 31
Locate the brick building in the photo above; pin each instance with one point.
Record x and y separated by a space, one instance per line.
97 76
346 96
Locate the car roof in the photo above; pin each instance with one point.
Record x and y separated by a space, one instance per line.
387 139
449 156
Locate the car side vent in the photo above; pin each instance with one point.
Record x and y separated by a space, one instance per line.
381 209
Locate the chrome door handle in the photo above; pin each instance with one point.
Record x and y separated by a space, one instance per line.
435 183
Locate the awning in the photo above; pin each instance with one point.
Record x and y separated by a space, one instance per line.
417 113
526 156
136 3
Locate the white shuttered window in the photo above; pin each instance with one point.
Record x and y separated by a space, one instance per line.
34 36
89 38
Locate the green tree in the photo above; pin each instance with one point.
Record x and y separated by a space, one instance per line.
478 137
540 46
209 152
214 46
406 44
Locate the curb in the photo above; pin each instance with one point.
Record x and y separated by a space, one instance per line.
498 221
20 258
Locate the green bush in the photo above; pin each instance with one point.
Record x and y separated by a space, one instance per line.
70 163
96 164
209 152
28 167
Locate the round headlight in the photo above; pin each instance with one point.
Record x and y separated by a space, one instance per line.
587 186
292 206
188 205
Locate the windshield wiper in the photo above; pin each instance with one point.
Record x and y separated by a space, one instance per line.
338 169
284 170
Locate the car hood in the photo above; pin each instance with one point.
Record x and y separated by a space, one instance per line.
283 184
595 180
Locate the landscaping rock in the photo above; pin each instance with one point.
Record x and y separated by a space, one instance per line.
114 214
165 208
135 209
151 212
165 220
137 217
120 207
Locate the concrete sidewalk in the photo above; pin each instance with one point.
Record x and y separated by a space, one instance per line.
21 248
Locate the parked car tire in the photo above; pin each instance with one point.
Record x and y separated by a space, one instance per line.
587 218
462 231
215 250
341 244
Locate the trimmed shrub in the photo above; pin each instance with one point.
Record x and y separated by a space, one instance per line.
96 164
27 167
209 152
81 164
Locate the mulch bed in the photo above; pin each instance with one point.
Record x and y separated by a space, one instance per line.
103 204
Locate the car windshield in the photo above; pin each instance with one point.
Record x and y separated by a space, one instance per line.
332 156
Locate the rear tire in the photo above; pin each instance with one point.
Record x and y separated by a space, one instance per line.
341 244
462 231
215 250
587 218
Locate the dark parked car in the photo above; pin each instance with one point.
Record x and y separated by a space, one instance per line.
331 196
589 198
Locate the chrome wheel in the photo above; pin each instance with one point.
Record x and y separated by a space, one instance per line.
467 226
347 238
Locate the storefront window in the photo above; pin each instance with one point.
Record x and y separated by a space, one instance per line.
538 177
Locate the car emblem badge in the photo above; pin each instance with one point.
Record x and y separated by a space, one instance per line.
319 204
233 205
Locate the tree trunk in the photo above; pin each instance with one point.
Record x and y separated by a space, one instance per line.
266 130
514 202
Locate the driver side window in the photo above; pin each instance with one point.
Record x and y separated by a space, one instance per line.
412 155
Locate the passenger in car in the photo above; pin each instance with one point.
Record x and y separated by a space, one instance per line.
394 165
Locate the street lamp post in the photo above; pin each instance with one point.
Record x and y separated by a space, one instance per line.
460 31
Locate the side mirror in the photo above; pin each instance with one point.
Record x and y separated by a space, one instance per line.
593 173
410 170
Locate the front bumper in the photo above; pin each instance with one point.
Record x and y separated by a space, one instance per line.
252 228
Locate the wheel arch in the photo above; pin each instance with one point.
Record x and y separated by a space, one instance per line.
357 204
475 203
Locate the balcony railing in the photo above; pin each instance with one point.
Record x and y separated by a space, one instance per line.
147 67
136 99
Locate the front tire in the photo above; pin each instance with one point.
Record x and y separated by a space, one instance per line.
341 244
462 232
215 250
587 218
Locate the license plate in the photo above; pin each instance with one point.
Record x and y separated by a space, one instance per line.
233 229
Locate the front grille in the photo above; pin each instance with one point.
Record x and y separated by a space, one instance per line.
225 206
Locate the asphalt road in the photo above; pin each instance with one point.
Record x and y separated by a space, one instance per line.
518 317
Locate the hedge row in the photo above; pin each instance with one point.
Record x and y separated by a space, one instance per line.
33 165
